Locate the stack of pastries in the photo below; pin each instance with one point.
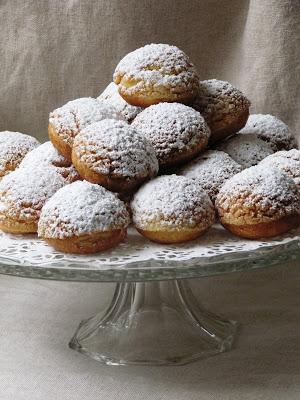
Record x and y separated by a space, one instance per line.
159 148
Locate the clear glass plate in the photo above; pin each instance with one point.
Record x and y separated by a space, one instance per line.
153 318
138 259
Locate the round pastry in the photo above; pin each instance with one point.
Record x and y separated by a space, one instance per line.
286 161
272 130
47 156
172 209
13 148
156 73
83 218
22 196
67 121
259 202
177 132
112 97
246 150
224 108
211 169
114 155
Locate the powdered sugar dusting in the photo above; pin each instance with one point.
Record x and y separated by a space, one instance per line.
13 147
116 148
24 192
272 130
172 128
111 96
259 192
217 98
211 169
155 66
82 208
287 161
247 150
173 201
47 156
69 119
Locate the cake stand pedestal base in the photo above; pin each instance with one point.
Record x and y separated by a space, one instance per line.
153 323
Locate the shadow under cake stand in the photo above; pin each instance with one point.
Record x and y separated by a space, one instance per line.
153 318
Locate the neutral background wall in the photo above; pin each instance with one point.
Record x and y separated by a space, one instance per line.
54 51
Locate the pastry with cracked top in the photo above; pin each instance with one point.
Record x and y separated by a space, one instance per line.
259 203
172 209
83 218
156 73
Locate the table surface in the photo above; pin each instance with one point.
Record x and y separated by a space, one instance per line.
37 318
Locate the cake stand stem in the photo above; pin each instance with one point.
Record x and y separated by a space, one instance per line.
153 323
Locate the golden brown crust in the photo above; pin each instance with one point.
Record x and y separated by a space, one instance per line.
228 125
265 229
110 182
10 225
61 146
150 98
91 243
10 167
169 236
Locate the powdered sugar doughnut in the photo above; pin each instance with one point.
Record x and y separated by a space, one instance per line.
47 156
22 196
286 161
156 73
177 132
246 150
83 218
172 209
211 169
111 96
259 202
114 155
272 130
67 121
13 148
224 108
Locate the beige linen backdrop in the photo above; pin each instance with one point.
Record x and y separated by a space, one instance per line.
53 51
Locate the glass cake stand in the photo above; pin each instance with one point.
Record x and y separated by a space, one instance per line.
153 318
